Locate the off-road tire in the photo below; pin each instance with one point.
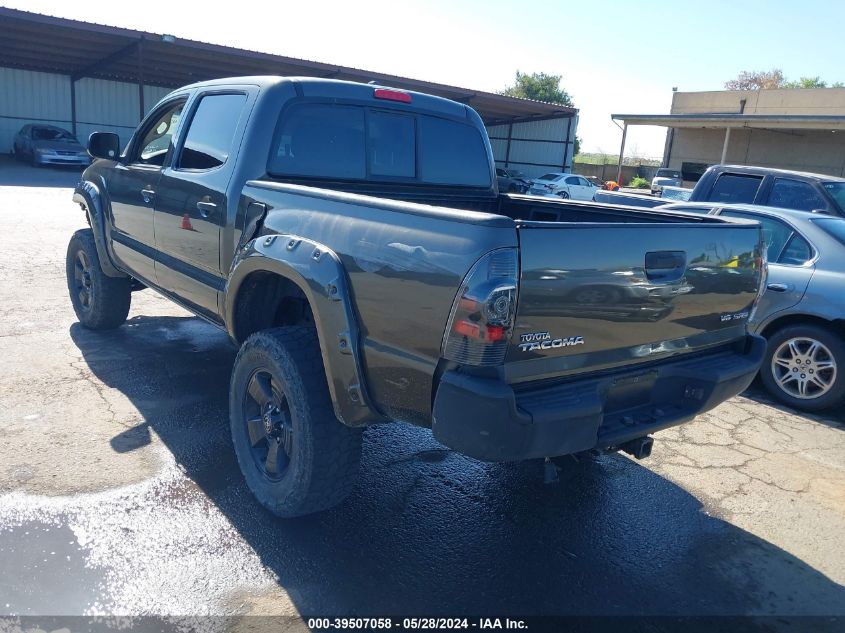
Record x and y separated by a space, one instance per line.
831 340
108 298
325 455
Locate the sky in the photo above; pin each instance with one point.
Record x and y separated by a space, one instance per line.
614 57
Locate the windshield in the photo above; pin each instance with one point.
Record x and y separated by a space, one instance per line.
837 192
834 227
51 134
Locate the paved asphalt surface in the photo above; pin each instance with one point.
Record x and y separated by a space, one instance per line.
120 494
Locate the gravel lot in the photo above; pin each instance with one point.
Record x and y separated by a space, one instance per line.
119 492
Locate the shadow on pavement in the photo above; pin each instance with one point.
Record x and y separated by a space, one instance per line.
19 174
834 418
429 532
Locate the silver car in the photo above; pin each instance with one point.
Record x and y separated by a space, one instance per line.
666 178
49 145
802 311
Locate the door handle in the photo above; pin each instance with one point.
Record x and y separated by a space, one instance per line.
778 287
148 195
206 208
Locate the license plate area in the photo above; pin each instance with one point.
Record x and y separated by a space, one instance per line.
630 391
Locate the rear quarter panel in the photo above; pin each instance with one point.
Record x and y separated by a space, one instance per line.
405 263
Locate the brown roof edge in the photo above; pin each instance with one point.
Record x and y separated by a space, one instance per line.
524 109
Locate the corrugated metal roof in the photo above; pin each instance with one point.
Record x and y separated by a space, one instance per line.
84 49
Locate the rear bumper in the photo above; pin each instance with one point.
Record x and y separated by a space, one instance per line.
487 419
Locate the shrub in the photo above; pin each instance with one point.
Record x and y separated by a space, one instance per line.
639 183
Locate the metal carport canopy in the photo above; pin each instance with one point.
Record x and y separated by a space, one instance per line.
45 43
729 121
734 120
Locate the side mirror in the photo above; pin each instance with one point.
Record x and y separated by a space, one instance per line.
104 145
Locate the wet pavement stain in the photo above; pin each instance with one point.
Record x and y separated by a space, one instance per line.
45 571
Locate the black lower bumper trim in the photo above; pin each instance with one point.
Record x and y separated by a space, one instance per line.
486 419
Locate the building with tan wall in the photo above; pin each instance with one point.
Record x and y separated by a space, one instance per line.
801 129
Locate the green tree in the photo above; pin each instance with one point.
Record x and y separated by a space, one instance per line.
542 87
539 87
806 82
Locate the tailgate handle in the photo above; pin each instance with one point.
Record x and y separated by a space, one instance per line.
665 266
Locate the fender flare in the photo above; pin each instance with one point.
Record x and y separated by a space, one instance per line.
319 273
87 195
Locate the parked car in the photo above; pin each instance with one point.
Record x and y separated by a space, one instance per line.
736 184
49 145
512 181
666 177
566 186
543 185
681 194
350 238
802 311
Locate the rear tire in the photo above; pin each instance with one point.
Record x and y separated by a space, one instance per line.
100 302
808 354
295 455
564 195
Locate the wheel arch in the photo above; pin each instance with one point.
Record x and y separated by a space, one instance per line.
291 267
87 195
786 320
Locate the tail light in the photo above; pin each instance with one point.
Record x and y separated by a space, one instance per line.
481 320
760 263
392 95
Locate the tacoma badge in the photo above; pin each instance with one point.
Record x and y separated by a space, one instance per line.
543 340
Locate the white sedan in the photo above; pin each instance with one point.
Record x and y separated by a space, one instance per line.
563 186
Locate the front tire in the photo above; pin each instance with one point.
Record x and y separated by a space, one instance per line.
100 302
295 455
803 367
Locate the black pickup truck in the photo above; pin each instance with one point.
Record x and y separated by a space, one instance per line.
351 239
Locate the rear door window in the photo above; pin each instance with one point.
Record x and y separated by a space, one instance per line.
735 188
211 132
777 235
795 194
797 252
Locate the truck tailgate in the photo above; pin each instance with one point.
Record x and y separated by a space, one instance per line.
599 296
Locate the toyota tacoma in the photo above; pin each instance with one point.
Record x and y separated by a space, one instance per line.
351 240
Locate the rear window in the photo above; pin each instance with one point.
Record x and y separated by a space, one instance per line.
668 173
549 177
731 188
451 153
347 142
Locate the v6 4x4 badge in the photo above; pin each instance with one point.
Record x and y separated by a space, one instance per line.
534 341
